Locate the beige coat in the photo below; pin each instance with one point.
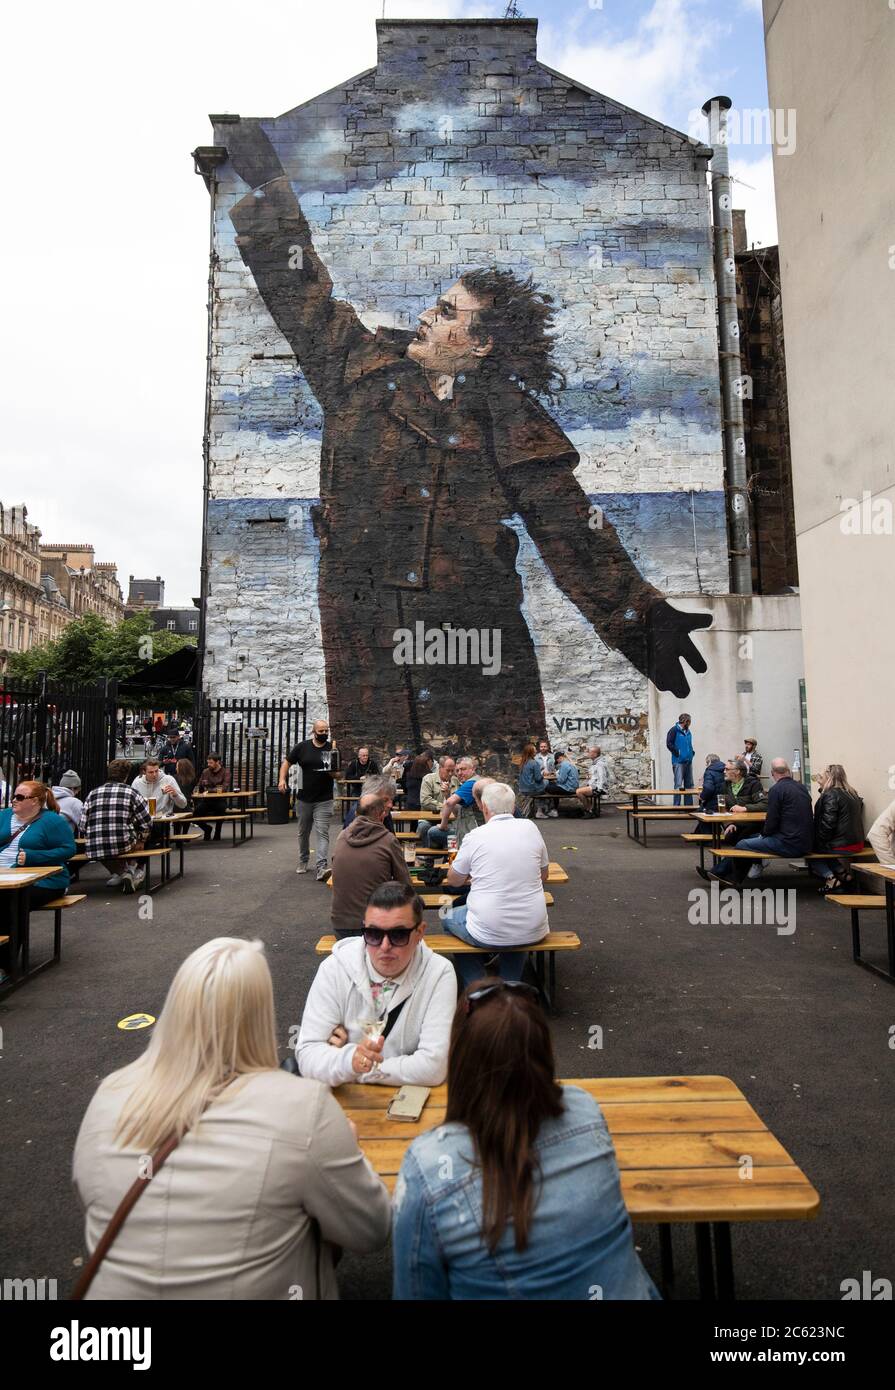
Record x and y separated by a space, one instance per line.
882 836
229 1216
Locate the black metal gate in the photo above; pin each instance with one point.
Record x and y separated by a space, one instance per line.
252 736
47 727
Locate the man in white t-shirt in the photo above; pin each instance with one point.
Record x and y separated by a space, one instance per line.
505 861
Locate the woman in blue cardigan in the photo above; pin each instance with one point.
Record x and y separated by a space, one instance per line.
32 832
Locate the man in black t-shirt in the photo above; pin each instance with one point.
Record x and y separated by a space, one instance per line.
315 799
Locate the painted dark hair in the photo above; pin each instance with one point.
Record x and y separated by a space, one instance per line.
502 1085
519 319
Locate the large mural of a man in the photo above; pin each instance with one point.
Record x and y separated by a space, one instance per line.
432 439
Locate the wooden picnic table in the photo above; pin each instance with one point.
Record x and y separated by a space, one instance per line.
888 876
18 881
650 793
432 816
716 820
681 1144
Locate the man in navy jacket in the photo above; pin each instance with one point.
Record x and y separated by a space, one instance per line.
788 827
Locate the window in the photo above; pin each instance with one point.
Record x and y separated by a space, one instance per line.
171 625
194 624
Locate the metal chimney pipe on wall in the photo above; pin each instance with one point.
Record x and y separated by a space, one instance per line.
734 433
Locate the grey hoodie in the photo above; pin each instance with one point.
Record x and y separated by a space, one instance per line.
365 856
69 805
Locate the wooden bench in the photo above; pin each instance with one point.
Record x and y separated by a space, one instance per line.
436 899
648 816
443 944
234 818
863 902
558 800
162 853
57 906
722 853
701 841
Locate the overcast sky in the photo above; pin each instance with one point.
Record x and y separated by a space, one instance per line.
106 233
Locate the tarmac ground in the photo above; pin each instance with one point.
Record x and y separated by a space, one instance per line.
807 1035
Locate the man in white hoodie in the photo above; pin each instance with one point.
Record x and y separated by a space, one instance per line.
159 785
389 970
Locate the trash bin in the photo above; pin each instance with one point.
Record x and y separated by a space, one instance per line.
277 806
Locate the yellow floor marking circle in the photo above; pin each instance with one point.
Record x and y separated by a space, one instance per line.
133 1021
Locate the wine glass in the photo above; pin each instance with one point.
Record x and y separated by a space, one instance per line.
372 1025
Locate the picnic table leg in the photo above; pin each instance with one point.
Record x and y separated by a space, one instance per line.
666 1260
25 929
704 1261
57 934
723 1261
890 925
855 936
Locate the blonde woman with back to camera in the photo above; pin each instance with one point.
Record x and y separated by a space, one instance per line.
266 1176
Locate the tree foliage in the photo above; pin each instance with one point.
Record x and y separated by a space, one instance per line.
91 647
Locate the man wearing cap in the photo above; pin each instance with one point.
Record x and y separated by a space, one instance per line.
174 747
751 757
67 798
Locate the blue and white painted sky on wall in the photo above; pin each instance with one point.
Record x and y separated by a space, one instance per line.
128 358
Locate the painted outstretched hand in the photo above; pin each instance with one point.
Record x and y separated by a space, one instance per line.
669 644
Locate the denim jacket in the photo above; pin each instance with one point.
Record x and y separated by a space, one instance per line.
580 1242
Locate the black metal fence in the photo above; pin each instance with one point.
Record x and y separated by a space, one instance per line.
47 727
252 736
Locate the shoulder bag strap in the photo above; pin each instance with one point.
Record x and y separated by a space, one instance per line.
393 1018
125 1207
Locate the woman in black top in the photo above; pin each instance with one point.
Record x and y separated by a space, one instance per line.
838 824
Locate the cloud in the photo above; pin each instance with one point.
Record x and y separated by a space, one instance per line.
661 69
753 190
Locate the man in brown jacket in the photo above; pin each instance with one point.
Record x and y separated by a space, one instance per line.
365 855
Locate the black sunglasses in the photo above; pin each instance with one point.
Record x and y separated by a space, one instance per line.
478 995
398 936
19 797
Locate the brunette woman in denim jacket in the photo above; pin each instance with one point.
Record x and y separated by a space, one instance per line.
517 1194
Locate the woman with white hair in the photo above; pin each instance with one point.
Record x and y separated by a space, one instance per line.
255 1173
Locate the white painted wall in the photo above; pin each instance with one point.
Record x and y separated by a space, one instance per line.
833 62
754 654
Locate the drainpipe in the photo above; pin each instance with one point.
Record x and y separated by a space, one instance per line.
206 159
734 434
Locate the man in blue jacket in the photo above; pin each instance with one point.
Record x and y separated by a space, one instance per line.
788 827
679 742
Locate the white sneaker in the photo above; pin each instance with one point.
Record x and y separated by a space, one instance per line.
553 814
114 881
540 814
756 871
133 878
302 869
